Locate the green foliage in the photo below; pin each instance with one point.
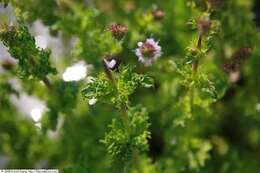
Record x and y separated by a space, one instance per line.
33 61
122 142
31 10
195 109
130 135
5 90
75 168
63 100
97 88
117 91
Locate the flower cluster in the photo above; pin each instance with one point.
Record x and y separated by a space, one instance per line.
118 30
148 51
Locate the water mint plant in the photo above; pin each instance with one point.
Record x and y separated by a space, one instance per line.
130 86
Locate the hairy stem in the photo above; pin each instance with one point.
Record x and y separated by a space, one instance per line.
195 66
125 118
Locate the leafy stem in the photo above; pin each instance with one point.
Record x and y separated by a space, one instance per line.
124 117
45 79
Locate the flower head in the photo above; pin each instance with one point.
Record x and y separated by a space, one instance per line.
118 30
148 51
204 25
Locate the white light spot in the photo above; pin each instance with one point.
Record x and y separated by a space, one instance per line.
36 114
39 125
92 101
174 141
75 72
257 106
41 42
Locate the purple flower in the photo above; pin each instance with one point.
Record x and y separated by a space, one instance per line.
110 64
148 51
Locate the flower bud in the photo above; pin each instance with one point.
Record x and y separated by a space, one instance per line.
204 25
158 14
111 62
118 31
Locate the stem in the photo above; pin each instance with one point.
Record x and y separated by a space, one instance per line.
222 48
125 119
196 62
195 66
199 44
45 79
124 107
135 156
192 89
136 160
47 83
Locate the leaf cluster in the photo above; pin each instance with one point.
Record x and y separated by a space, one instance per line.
33 62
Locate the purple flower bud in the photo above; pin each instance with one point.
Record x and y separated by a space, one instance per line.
158 14
118 30
204 25
111 62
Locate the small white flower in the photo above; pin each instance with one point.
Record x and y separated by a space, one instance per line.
139 44
148 51
41 41
110 63
92 101
36 114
